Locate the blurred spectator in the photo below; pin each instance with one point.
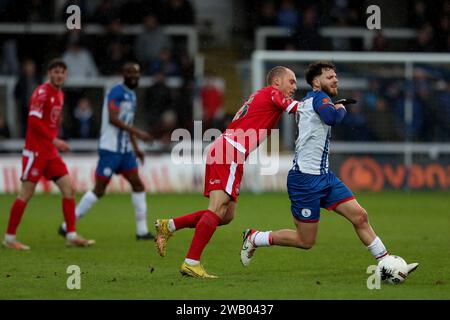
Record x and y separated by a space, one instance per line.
113 51
151 42
443 104
371 95
381 122
183 99
186 65
27 82
212 102
80 63
10 59
443 34
308 35
134 11
266 14
288 15
84 120
396 99
4 129
379 42
355 124
424 41
178 12
158 98
164 128
164 64
105 13
418 14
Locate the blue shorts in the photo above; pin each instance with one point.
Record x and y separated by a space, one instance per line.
110 163
308 193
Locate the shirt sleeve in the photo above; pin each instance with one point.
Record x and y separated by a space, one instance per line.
286 104
40 128
114 98
324 107
37 103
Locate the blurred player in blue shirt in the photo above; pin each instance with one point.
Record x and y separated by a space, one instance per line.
118 150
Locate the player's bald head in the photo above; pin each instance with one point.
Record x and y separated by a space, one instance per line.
278 71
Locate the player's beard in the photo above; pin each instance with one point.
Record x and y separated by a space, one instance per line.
331 92
131 83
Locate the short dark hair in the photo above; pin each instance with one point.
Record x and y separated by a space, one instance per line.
315 69
274 72
55 63
129 64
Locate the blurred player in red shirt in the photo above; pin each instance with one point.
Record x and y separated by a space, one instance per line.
225 166
40 157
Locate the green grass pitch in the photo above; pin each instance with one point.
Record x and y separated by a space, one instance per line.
414 225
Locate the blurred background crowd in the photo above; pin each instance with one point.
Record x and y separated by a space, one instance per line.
227 37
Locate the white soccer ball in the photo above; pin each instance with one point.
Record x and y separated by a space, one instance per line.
392 269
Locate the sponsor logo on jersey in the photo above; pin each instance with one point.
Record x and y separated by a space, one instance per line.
217 181
325 100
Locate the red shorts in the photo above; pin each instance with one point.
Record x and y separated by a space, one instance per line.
34 167
224 175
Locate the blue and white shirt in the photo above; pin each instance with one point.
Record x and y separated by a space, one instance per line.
315 116
123 99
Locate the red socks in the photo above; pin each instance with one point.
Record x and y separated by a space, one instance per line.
204 230
68 206
15 216
189 220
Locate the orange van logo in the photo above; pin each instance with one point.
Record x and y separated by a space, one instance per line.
365 173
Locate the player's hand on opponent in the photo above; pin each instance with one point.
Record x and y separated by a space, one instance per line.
141 134
339 105
61 145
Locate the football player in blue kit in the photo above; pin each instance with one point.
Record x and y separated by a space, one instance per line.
118 150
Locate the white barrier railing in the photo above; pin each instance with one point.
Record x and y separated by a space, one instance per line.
262 33
188 31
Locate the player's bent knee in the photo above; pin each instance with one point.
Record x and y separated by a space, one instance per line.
226 220
361 218
68 192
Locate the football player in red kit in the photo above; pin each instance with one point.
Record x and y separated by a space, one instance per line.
40 156
224 168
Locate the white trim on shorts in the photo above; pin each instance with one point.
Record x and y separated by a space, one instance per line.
231 177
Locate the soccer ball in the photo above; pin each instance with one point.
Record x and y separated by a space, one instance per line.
392 269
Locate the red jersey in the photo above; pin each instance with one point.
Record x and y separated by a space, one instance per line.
257 117
44 118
